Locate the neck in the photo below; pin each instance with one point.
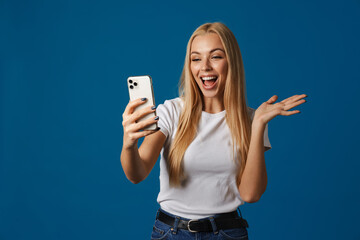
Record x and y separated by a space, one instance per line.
213 105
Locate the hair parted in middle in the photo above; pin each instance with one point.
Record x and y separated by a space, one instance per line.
237 116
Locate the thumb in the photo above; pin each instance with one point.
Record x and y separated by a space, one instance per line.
272 99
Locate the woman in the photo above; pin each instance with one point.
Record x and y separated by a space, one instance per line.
212 145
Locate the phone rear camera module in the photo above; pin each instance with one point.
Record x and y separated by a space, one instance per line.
135 83
130 81
131 86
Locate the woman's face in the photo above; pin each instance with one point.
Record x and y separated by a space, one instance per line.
209 65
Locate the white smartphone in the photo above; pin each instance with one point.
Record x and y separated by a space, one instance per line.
141 87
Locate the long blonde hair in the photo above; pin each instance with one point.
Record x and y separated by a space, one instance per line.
237 117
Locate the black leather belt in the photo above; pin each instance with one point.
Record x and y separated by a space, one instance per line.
223 221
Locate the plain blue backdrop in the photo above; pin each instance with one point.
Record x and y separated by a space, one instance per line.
63 75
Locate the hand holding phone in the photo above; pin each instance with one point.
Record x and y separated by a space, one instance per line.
141 87
139 118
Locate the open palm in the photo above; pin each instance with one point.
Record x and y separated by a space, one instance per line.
269 109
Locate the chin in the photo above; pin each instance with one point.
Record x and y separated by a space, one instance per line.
207 94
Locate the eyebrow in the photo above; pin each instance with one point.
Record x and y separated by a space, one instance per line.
215 49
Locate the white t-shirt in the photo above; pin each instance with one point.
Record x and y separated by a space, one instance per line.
210 169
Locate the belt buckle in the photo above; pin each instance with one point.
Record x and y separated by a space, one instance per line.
188 225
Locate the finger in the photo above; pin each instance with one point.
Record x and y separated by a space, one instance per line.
136 127
144 133
288 99
272 99
293 98
140 113
288 113
298 97
292 105
133 104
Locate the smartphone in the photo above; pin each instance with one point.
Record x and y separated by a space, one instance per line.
140 87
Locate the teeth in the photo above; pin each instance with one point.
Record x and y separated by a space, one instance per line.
208 78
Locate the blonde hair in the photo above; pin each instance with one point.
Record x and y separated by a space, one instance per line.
237 116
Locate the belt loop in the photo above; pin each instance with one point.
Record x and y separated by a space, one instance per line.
213 225
157 213
176 223
238 209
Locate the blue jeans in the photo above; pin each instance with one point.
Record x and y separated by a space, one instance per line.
162 231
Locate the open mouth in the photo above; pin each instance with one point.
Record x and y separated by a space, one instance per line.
209 81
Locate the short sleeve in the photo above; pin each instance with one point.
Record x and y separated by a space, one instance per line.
267 144
165 112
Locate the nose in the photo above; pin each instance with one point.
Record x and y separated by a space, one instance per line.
206 66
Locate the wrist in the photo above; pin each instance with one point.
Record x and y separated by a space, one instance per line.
258 125
131 146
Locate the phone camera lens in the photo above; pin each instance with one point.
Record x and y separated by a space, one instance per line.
130 81
135 83
131 86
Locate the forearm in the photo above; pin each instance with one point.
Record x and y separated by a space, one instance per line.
132 164
254 178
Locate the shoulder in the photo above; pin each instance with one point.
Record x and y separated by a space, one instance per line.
172 106
175 102
169 113
170 109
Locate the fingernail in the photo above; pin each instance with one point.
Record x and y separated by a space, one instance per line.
153 107
143 99
156 118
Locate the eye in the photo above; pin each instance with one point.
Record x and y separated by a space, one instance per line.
217 57
195 59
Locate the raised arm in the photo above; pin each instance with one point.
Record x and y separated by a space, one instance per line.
254 179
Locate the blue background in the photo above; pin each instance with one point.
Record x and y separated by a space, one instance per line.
63 75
